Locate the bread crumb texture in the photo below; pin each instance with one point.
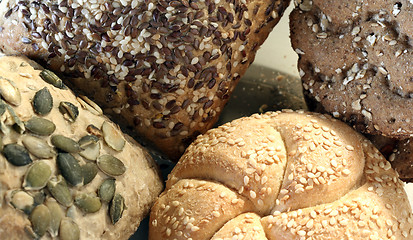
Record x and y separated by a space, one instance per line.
282 175
355 60
66 171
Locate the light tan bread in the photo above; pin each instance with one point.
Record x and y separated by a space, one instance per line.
167 68
302 175
139 185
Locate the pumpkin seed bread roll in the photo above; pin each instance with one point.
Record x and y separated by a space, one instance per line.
282 175
165 67
66 171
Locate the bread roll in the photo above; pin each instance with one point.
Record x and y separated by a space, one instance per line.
39 125
166 67
289 175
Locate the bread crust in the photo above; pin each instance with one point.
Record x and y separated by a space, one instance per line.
166 68
333 184
139 185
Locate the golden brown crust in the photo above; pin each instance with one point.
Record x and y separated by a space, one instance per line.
167 68
139 185
336 184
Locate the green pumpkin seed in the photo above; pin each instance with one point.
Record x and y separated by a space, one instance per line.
70 169
65 144
89 171
1 143
69 230
111 165
2 107
40 218
107 190
51 78
91 152
112 136
18 125
39 197
88 140
116 208
16 154
57 214
88 203
42 102
37 176
92 129
60 191
38 147
10 92
40 126
21 200
69 110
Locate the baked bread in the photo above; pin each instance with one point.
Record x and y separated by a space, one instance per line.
290 175
355 60
66 171
166 67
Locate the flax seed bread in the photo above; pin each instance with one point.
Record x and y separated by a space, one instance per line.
355 60
166 67
66 171
285 175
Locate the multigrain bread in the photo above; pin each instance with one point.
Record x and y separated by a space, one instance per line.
39 124
355 60
166 67
289 175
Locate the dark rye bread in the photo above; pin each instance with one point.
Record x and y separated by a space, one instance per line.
356 61
166 67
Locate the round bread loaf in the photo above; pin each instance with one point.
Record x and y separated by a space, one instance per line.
290 175
356 61
167 68
66 171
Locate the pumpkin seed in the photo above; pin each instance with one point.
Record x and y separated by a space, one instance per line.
42 101
69 111
70 168
107 190
111 165
18 125
21 200
37 176
39 197
88 202
65 144
38 147
40 126
69 230
91 152
116 208
92 129
89 171
2 107
112 136
16 154
10 92
89 105
40 218
60 191
57 214
1 143
51 78
88 140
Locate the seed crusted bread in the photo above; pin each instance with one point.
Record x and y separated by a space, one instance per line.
66 171
166 67
355 60
284 175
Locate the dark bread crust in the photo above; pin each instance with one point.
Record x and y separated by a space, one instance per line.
355 60
166 67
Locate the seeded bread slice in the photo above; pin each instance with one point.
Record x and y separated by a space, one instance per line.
166 67
137 182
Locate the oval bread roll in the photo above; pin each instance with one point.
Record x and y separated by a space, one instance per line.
46 192
166 67
289 175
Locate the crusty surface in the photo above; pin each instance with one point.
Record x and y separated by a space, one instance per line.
355 59
139 185
329 183
167 67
